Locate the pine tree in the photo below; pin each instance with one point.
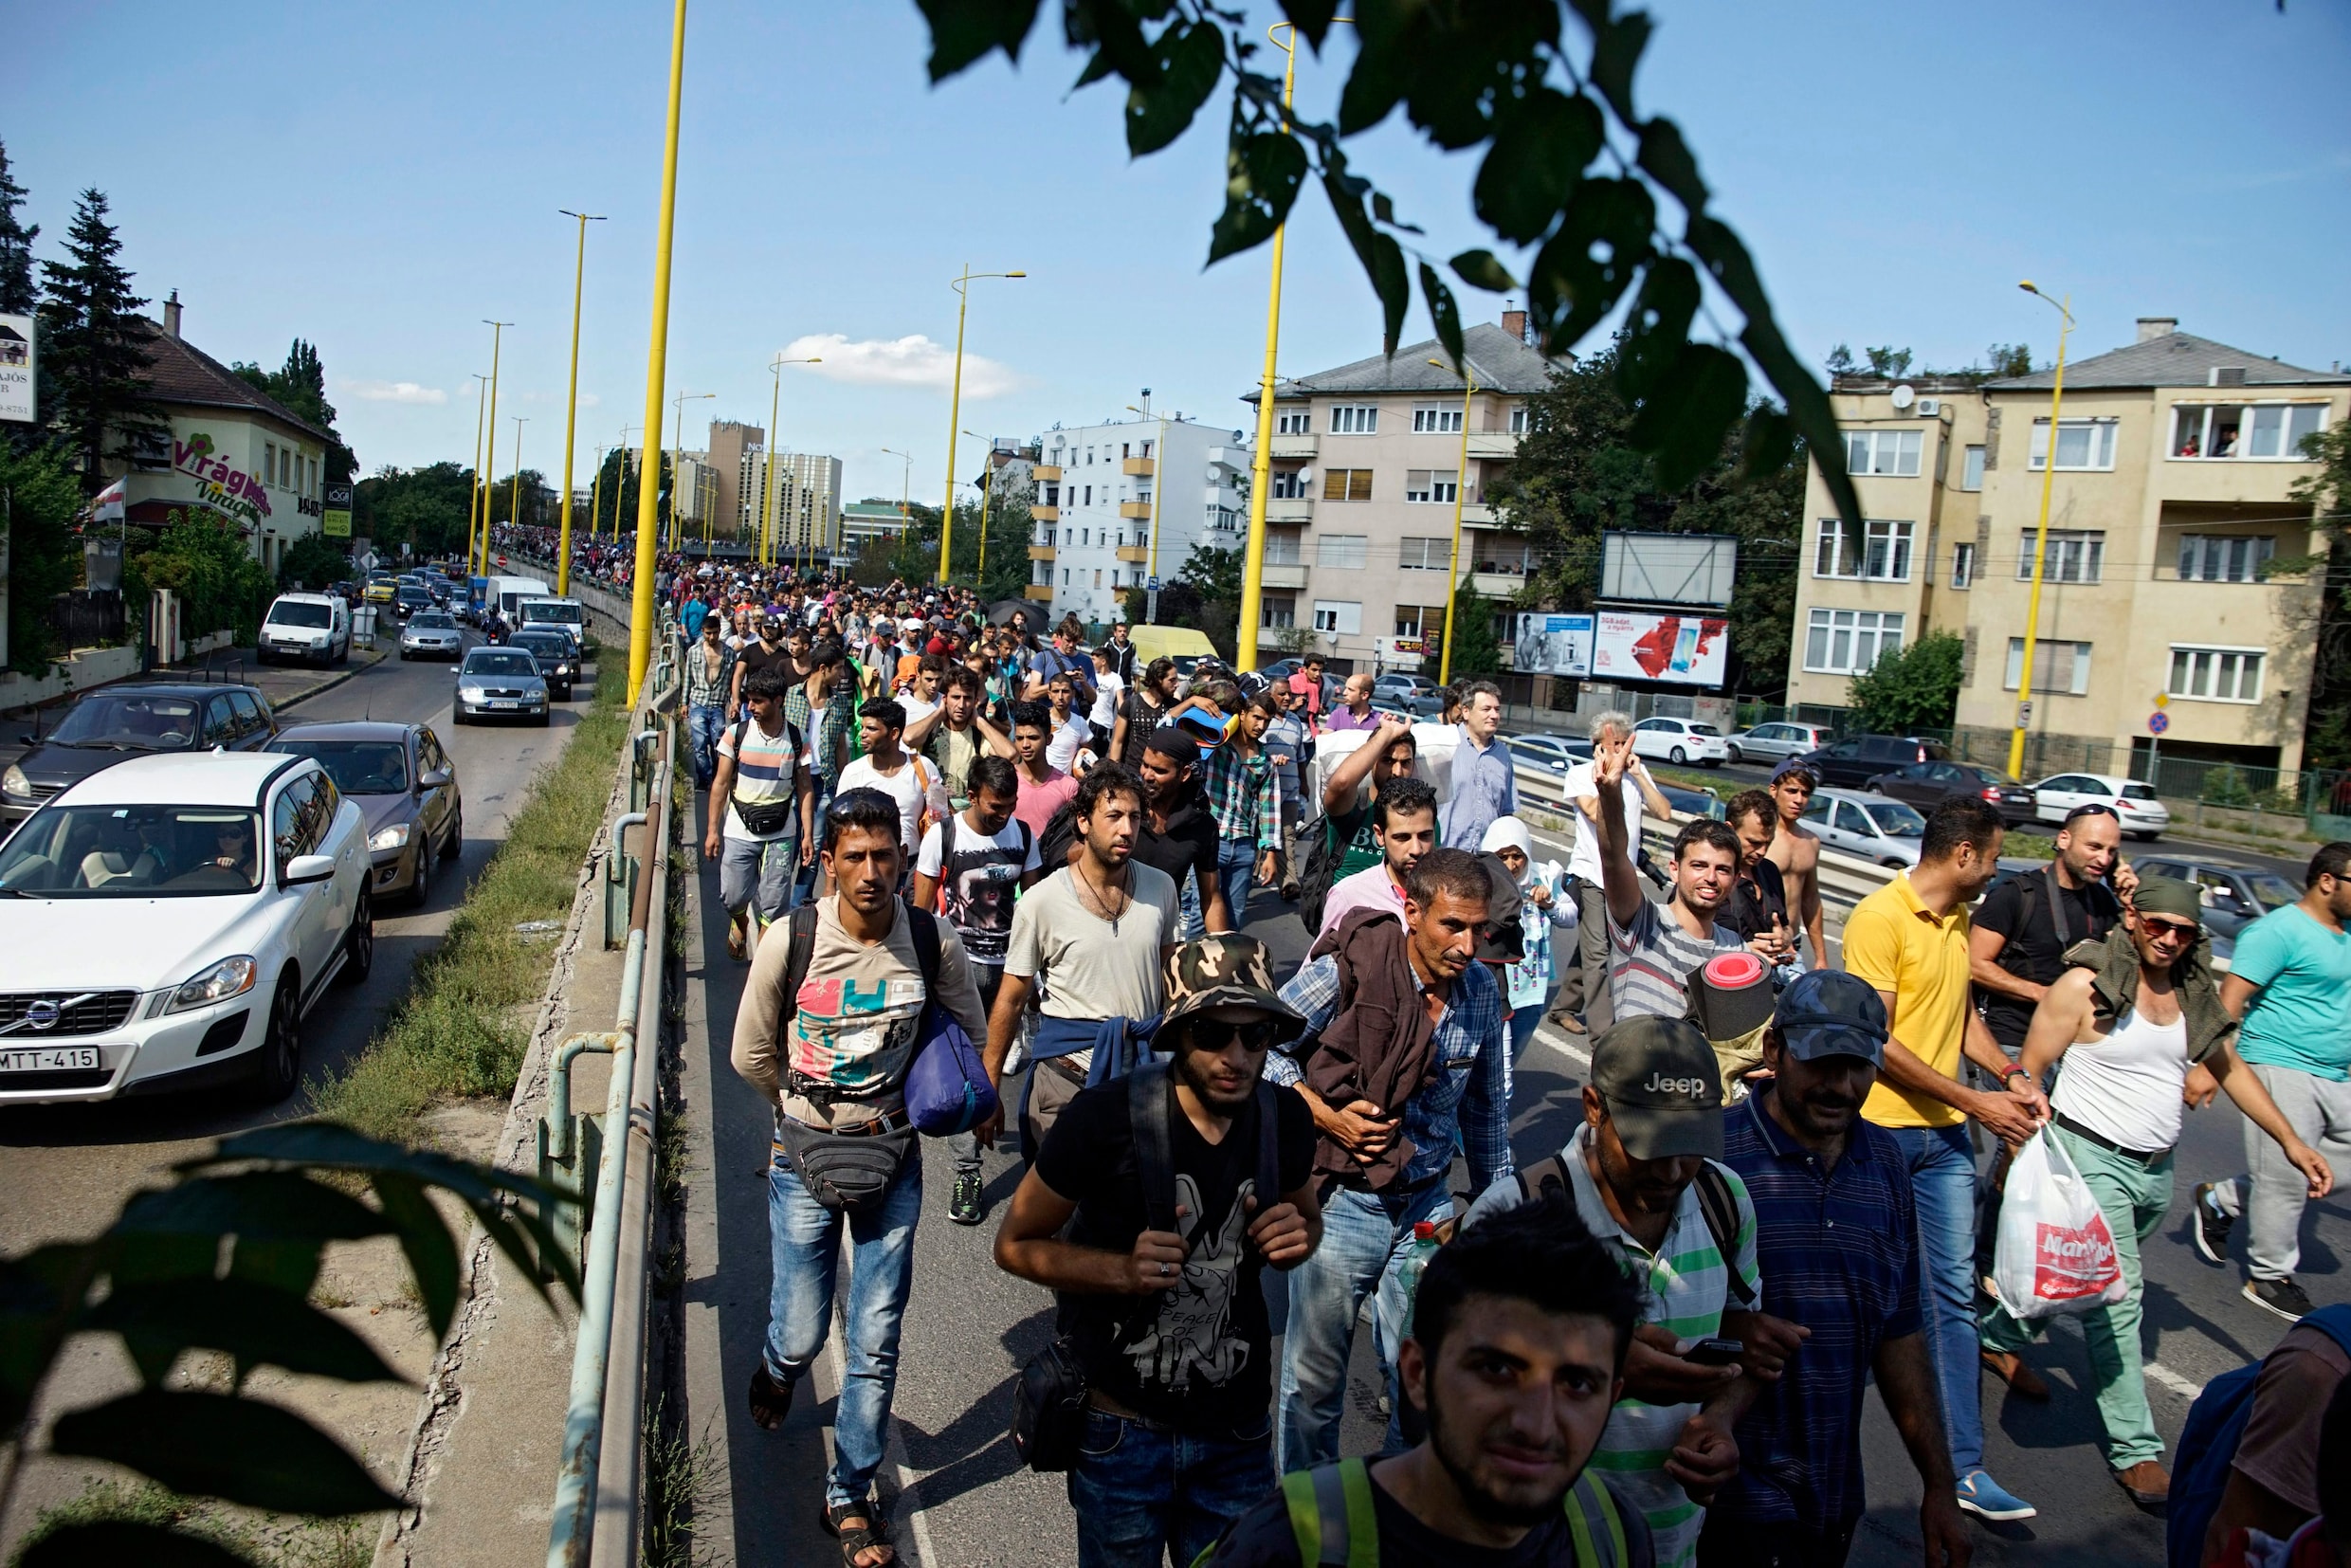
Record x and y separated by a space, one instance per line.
17 294
97 343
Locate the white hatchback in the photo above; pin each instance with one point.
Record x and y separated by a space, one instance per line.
166 924
1680 740
2134 804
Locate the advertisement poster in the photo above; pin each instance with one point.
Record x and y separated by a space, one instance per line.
1553 645
1639 645
16 367
335 522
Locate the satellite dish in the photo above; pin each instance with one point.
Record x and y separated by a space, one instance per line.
1903 396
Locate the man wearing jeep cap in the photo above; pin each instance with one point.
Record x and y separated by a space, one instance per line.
1652 1122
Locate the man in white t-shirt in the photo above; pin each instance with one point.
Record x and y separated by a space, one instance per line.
916 785
1583 992
762 809
920 696
1109 690
1070 732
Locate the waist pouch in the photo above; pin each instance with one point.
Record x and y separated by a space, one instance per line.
847 1175
1049 1408
766 817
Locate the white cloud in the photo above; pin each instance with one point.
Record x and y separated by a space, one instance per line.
394 391
910 361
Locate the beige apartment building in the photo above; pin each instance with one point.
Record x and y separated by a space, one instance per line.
1366 463
2168 505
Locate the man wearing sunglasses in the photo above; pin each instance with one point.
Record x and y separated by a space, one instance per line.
2128 1019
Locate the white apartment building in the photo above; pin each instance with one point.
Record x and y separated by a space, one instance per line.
807 502
1117 504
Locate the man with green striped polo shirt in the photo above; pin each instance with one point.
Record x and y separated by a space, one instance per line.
1644 1172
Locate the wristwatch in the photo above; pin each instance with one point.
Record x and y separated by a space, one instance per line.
2012 1072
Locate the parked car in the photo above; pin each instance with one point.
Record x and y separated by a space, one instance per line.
1775 742
2233 896
1851 763
432 634
172 921
2134 804
500 683
411 599
1403 687
558 661
107 725
405 786
1561 752
1886 831
315 628
1927 785
2223 948
1680 740
1696 802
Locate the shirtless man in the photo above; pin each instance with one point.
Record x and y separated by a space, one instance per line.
1796 851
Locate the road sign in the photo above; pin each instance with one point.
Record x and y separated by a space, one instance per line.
2158 722
1153 585
2163 699
334 522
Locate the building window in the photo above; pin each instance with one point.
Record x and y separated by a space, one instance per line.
2084 445
1352 551
2223 557
1289 485
1971 469
269 461
1518 419
2075 555
1282 547
1293 422
1339 616
1840 641
2271 431
1052 495
1098 576
2217 674
1437 419
1881 552
1433 485
1894 452
1346 485
1355 419
1426 554
1963 566
1420 620
1277 610
1123 451
2062 668
1065 576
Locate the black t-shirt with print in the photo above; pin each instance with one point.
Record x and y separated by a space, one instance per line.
1264 1537
1197 1356
2018 910
1189 843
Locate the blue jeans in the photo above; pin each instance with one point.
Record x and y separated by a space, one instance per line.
804 1239
1365 1237
704 724
804 886
1237 868
1143 1494
1942 1183
1195 913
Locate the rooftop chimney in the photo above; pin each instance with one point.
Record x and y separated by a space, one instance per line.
171 315
1514 323
2152 327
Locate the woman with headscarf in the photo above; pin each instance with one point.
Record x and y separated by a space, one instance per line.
1544 907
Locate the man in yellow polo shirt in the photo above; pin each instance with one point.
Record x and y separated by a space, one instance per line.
1908 941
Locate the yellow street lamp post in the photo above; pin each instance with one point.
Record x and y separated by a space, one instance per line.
1461 491
774 406
620 478
596 495
656 359
955 412
513 488
677 461
571 403
489 456
2040 537
1158 478
474 491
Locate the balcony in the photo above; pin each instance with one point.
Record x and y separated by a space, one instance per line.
1498 585
1040 551
1042 592
1289 509
1136 508
1136 554
1293 445
1046 513
1138 466
1283 575
1477 514
1045 471
1493 443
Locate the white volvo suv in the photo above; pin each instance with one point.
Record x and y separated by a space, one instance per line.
166 924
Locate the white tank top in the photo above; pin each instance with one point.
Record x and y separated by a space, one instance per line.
2126 1086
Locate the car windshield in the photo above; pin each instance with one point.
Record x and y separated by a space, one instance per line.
2273 891
493 662
2146 792
358 767
128 722
1894 819
551 609
132 851
296 613
543 644
432 620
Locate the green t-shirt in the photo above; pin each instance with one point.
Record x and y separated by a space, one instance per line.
2297 1019
1353 829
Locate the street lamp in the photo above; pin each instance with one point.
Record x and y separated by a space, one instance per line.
677 461
489 456
571 403
775 404
620 476
2040 538
955 412
473 493
1461 482
641 581
1151 588
986 487
514 491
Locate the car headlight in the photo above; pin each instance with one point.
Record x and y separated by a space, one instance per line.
227 978
394 837
472 694
320 639
14 782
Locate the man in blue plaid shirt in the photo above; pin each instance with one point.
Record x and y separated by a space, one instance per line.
1244 789
1367 1233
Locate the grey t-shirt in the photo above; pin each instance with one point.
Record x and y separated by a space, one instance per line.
1090 968
1650 961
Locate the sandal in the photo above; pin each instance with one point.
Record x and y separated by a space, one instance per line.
771 1401
865 1537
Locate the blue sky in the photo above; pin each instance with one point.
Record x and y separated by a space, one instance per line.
378 178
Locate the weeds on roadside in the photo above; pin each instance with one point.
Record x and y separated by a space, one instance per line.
681 1475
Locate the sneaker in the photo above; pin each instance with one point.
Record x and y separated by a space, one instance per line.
1986 1499
1568 1021
2213 1225
963 1207
2282 1298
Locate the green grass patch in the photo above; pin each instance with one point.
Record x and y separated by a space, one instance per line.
270 1540
464 1029
2027 846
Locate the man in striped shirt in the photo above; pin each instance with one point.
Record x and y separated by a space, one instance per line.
1654 950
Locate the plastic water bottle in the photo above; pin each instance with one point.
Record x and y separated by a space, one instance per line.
1423 1247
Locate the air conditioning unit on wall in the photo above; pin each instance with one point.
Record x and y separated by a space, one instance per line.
1929 408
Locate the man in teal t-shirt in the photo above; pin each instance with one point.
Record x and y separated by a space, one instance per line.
2291 982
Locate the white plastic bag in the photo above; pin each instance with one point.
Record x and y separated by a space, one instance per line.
2055 1254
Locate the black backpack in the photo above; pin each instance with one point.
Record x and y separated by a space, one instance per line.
1315 878
1548 1179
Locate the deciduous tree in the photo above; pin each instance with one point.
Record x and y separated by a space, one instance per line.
1915 687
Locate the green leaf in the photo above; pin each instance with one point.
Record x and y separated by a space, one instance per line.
41 1297
1768 443
1682 422
425 1237
121 1541
1443 312
1539 150
1670 163
1479 270
331 1146
1116 29
1312 19
1387 35
255 1323
1615 51
1186 61
216 1445
963 30
155 1230
1657 326
1383 208
1602 242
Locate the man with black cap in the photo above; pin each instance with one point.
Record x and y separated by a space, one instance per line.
1193 1178
1836 1237
2128 1019
1644 1172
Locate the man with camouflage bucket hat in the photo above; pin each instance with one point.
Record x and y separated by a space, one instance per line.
1194 1175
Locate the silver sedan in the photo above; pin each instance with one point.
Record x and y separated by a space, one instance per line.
500 683
431 635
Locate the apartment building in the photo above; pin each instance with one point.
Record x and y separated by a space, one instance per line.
1367 460
2174 457
1118 503
802 512
868 525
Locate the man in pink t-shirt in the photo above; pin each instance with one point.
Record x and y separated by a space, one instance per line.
1041 788
1307 685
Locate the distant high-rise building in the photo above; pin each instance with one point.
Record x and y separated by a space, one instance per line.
1113 505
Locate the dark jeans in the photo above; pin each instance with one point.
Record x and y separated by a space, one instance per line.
1729 1542
1144 1494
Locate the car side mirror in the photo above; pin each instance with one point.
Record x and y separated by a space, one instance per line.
304 869
437 779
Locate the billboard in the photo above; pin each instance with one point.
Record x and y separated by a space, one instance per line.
1635 645
16 367
1694 568
1553 645
335 522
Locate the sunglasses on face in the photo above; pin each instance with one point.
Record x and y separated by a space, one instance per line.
2184 931
1258 1034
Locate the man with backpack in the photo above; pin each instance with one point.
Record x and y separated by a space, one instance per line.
1514 1360
1178 1185
1347 843
1404 826
831 1022
762 809
1644 1172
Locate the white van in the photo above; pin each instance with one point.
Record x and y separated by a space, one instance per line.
315 628
568 614
505 594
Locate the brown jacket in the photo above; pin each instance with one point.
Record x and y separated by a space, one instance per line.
1379 1043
